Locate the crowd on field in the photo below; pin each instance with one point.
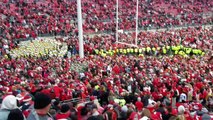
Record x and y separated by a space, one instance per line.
156 85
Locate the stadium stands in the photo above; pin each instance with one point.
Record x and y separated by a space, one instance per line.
169 75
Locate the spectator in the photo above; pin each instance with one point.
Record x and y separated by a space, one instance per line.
26 105
56 105
9 103
206 117
139 104
145 114
181 110
95 115
168 115
123 114
42 105
64 113
16 114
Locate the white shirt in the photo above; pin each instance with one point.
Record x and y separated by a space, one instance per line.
182 97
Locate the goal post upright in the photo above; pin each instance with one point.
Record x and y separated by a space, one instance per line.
80 29
136 27
116 21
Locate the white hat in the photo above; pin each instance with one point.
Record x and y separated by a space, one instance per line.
181 109
139 98
9 102
124 108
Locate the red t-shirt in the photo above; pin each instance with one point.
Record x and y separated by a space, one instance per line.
62 115
139 105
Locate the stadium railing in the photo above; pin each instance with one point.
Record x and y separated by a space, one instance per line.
78 100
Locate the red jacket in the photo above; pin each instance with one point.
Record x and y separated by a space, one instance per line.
57 91
139 105
62 115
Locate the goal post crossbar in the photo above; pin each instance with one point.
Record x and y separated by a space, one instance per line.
132 45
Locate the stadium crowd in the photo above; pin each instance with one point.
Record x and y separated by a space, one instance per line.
175 85
24 19
157 84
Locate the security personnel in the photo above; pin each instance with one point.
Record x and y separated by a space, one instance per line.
140 51
195 51
144 49
103 54
176 49
136 50
122 102
181 53
199 52
111 53
154 50
96 51
124 51
128 50
179 47
107 52
121 51
164 50
158 48
132 51
148 49
203 53
167 47
101 51
173 48
188 50
117 51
